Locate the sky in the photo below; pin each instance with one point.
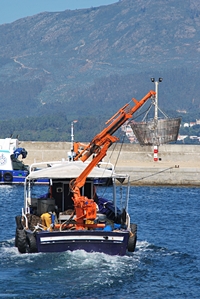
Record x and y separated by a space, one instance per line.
12 10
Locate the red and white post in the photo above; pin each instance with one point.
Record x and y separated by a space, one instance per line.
155 153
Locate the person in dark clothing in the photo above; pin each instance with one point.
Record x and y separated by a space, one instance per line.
95 196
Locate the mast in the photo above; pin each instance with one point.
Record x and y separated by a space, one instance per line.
72 139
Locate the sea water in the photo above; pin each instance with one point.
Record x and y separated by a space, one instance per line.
166 263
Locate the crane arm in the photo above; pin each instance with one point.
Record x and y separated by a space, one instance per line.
86 208
80 181
117 120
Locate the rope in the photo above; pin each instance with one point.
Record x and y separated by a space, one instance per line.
104 191
143 112
40 226
120 149
151 174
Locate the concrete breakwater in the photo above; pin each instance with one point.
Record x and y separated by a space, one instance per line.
176 165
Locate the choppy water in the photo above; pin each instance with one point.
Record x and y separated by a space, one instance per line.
166 263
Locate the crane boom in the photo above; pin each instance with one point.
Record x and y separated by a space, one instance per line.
86 208
114 124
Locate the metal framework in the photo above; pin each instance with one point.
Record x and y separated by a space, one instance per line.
156 132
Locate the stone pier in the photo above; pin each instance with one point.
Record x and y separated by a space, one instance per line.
176 165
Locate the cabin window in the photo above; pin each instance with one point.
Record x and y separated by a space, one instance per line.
63 196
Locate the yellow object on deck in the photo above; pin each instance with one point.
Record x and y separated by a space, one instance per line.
89 221
46 220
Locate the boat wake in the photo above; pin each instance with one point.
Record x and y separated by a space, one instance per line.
83 271
81 256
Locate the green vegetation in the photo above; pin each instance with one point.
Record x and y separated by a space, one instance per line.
86 64
50 128
53 129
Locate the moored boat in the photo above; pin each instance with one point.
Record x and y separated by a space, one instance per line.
12 170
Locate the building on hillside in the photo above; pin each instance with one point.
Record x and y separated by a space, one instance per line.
195 138
129 133
197 121
181 137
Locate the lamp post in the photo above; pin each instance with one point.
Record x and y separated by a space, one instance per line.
72 139
156 114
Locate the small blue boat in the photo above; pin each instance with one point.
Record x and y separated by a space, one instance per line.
12 170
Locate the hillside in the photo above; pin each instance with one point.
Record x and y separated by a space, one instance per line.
90 62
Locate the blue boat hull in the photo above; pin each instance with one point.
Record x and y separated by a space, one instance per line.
17 177
13 176
112 243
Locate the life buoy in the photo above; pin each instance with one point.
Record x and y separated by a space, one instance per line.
7 176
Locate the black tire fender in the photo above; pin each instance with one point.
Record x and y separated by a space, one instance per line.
18 220
7 176
20 240
132 243
133 228
16 238
133 238
31 243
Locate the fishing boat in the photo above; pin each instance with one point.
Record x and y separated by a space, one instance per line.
48 222
12 170
72 215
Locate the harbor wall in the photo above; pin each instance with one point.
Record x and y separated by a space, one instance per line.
176 165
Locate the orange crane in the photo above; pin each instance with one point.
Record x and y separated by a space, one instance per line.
85 208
